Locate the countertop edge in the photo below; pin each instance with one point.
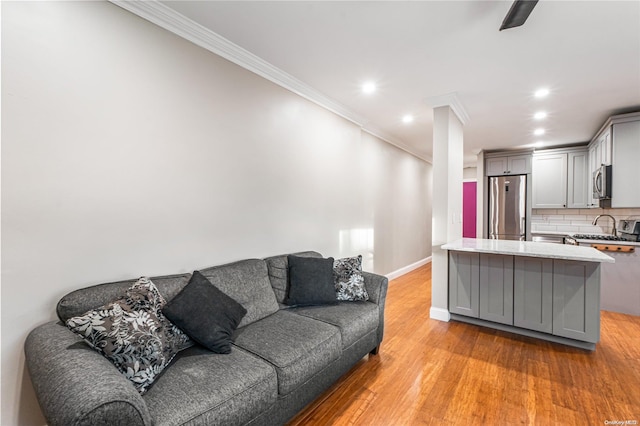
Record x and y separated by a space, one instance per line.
458 246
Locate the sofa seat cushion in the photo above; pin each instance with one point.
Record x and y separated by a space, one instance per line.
202 387
354 319
247 282
298 347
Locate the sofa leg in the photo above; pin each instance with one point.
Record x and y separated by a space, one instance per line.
375 350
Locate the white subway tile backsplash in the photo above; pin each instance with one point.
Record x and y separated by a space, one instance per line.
541 227
577 220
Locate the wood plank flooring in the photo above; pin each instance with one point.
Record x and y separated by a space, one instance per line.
432 372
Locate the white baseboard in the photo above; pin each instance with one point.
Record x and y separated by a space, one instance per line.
439 314
395 274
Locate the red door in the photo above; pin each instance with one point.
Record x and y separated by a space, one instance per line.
469 209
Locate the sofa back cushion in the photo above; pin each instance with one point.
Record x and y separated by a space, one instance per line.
80 301
247 282
278 267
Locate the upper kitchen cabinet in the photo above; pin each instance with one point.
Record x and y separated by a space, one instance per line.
625 185
578 182
507 165
560 179
549 178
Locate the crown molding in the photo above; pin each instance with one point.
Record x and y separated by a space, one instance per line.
167 18
380 134
451 100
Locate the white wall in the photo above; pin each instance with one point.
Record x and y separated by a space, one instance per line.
128 151
470 173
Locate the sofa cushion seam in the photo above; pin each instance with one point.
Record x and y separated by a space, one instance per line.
292 362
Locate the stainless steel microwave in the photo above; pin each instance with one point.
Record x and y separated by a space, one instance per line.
601 183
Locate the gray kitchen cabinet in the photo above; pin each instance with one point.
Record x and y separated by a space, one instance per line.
464 283
496 288
625 190
549 178
533 294
508 165
561 179
528 289
578 182
576 300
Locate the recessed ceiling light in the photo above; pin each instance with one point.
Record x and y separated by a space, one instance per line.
538 132
540 115
541 93
369 87
407 118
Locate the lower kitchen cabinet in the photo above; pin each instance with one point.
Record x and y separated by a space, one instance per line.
533 294
528 295
576 296
463 283
496 288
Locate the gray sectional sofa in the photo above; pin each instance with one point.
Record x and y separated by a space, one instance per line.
282 358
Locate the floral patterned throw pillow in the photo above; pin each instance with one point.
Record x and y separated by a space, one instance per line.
348 279
133 333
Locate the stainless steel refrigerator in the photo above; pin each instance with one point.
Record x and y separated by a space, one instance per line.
507 207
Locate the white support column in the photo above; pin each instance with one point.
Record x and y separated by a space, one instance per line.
447 197
481 200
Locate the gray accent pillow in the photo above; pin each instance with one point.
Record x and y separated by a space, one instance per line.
206 314
278 268
247 282
349 282
133 334
310 281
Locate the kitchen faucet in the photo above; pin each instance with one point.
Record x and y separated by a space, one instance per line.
615 231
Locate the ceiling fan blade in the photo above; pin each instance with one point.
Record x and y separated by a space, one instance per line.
518 14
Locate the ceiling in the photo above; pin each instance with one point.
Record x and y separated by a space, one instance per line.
586 52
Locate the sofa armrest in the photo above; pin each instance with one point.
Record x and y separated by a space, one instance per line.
76 385
377 289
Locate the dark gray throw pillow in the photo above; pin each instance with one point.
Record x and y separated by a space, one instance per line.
310 281
205 314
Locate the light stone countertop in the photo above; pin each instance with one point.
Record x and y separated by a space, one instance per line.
529 248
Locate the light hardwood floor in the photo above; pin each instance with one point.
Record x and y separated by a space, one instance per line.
432 372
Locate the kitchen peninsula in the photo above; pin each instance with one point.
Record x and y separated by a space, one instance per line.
542 290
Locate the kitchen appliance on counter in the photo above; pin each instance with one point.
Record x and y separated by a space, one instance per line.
507 207
596 237
629 230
